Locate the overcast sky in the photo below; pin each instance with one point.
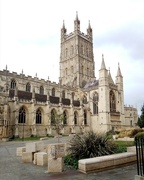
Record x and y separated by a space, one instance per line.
30 38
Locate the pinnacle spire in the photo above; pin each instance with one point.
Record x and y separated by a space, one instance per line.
110 77
89 26
119 71
77 16
103 63
63 25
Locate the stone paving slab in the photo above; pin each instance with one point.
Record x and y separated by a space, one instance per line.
12 167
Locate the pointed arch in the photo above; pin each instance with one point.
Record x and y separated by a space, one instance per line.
38 116
28 87
112 102
13 84
22 115
95 103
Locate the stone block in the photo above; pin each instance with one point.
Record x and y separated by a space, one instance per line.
34 147
27 157
20 150
35 158
55 165
42 159
56 150
131 149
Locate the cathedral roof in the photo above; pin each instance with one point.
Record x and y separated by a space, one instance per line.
91 84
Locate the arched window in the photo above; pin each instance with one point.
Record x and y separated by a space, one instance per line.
66 71
66 52
82 49
72 50
64 117
95 103
53 91
22 115
85 117
13 84
82 70
71 69
75 118
63 94
84 100
41 90
87 53
112 102
38 116
53 116
28 87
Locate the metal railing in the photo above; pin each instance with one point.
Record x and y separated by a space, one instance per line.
140 155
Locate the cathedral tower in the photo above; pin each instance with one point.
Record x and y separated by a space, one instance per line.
76 58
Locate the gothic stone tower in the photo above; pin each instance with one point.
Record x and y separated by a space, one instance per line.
76 59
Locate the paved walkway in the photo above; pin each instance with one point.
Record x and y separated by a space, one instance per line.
12 167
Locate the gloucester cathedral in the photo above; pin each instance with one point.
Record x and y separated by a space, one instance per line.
28 105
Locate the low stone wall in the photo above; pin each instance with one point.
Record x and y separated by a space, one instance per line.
106 162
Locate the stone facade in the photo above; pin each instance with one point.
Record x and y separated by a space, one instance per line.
29 106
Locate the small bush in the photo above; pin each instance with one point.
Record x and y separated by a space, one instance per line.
140 135
71 161
135 131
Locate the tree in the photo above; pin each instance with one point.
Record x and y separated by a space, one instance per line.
140 121
56 121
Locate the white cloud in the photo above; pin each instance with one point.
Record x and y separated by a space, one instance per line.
30 37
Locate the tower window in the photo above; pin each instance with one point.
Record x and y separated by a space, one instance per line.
72 50
84 100
66 52
53 116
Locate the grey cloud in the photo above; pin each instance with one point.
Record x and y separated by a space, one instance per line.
130 37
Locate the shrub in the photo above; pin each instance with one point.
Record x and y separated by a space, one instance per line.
90 145
71 161
135 131
140 135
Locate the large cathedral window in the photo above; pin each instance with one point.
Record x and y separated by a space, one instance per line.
112 102
87 53
95 103
38 116
22 115
13 84
82 49
28 87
